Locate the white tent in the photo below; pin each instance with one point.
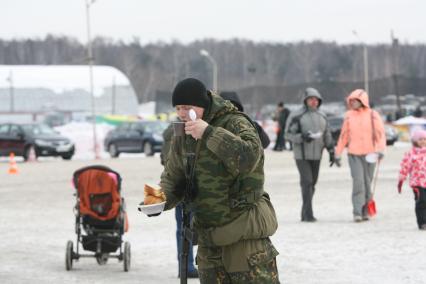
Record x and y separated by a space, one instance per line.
410 120
407 125
31 88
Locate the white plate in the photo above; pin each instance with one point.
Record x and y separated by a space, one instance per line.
372 158
152 208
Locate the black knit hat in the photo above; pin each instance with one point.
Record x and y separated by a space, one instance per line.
190 92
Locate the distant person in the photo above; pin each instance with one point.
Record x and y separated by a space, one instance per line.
308 130
399 114
192 271
362 133
418 112
235 100
414 165
389 117
281 115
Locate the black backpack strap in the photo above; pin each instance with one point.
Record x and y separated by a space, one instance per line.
264 138
296 119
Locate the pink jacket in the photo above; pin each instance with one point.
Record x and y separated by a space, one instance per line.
414 164
357 129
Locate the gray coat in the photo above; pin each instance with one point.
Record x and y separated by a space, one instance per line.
309 120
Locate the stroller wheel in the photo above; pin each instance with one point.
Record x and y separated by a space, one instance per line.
69 255
126 256
102 258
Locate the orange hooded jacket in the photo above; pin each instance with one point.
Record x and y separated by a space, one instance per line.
357 130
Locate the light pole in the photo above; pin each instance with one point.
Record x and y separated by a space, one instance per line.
206 54
395 63
90 60
113 96
365 55
11 90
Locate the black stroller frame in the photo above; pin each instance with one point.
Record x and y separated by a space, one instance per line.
102 237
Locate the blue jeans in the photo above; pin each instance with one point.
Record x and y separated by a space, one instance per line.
179 224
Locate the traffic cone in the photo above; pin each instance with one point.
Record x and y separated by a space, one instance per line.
32 157
13 168
97 151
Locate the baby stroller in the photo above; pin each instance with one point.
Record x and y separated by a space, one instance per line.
100 211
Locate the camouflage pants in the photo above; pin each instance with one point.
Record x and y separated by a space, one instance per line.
266 273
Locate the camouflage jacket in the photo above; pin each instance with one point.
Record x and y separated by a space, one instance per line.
167 137
228 168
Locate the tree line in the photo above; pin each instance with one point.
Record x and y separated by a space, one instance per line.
259 71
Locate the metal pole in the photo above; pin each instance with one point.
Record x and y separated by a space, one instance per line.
214 74
113 96
205 53
11 90
395 72
90 58
366 87
365 61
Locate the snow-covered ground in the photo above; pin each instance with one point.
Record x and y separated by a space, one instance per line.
37 220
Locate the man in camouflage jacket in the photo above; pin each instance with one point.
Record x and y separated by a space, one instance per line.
232 214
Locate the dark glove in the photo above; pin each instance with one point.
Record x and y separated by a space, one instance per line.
416 192
332 158
400 186
306 137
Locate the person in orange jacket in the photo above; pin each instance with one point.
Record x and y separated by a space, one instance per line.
362 133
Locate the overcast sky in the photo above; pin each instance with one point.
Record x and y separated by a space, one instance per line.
189 20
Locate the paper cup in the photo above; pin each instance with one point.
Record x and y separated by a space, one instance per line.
178 128
372 158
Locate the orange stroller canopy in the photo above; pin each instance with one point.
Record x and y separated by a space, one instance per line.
98 188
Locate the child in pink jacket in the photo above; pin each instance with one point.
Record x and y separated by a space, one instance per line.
414 165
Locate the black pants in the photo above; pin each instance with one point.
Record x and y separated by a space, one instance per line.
280 142
420 200
308 171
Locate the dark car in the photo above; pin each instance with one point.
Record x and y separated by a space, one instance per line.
22 139
136 137
335 124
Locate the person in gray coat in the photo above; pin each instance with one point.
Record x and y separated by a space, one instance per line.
308 130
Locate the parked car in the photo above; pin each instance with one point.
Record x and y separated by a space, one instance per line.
335 123
136 137
22 139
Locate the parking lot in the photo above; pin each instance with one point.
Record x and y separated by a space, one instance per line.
37 220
